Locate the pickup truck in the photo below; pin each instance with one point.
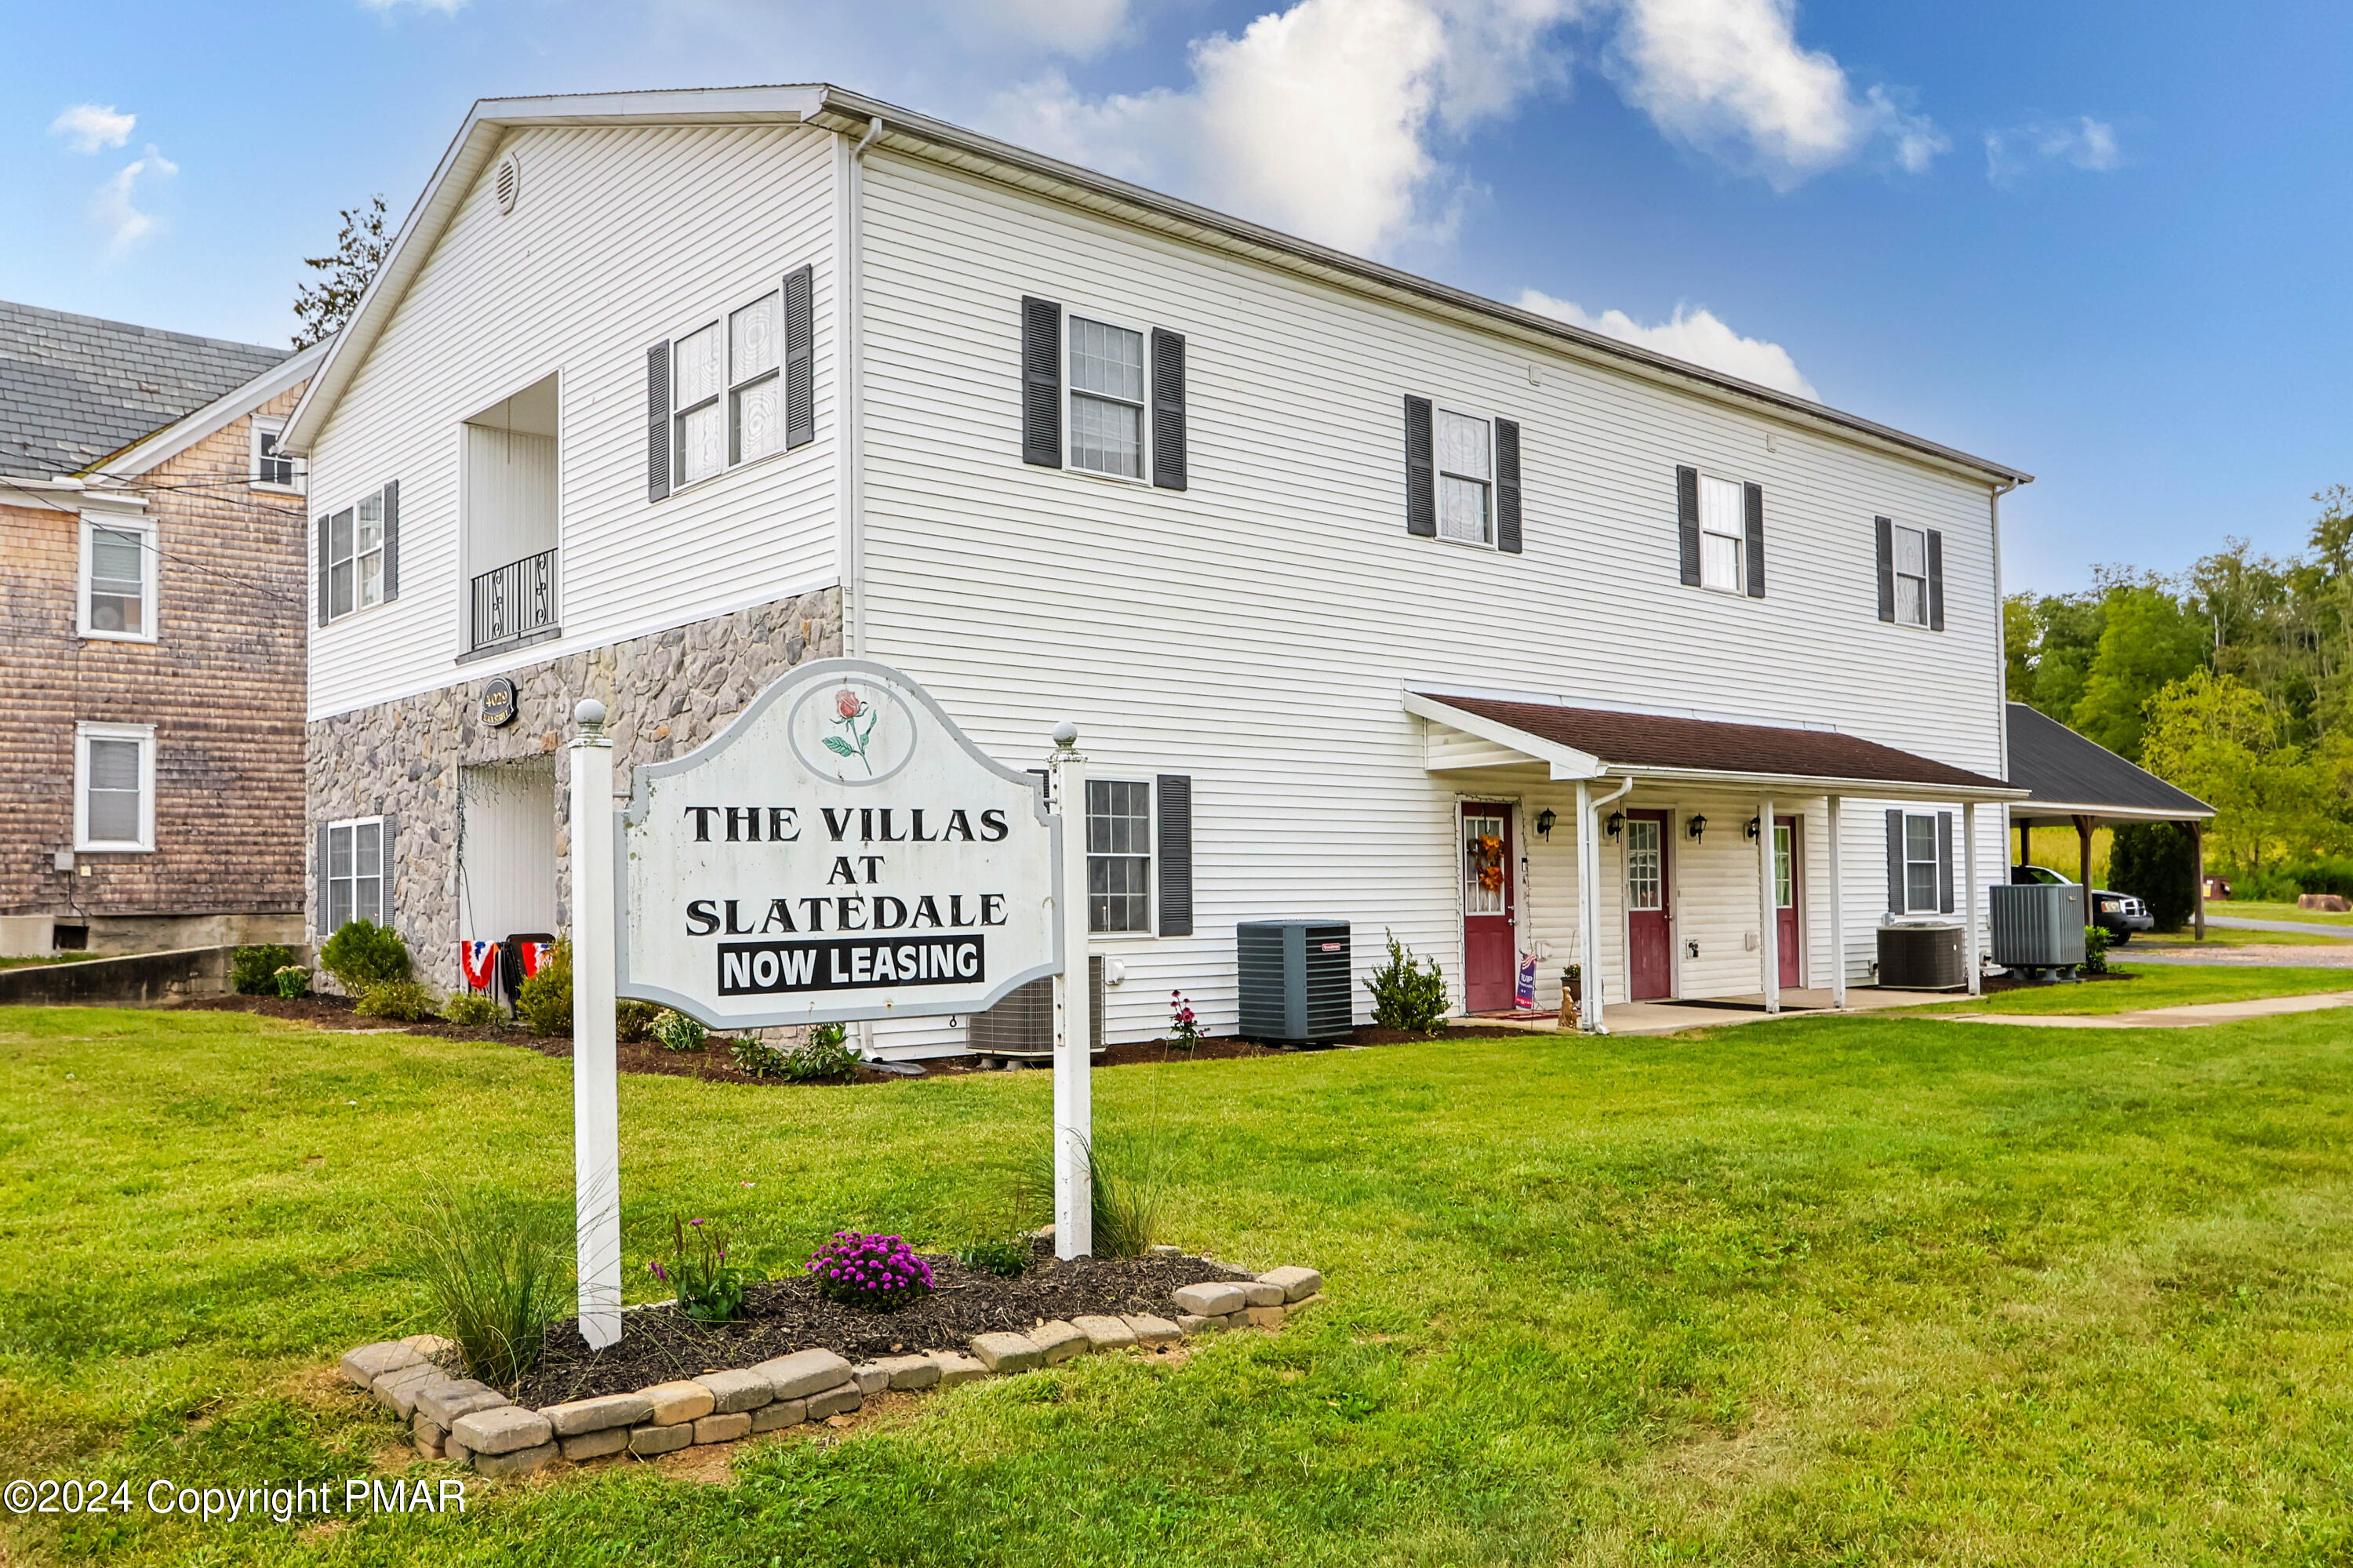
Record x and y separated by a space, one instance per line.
2117 914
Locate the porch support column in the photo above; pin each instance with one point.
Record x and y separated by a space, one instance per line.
1588 908
2197 874
1768 940
2083 825
1836 925
1969 896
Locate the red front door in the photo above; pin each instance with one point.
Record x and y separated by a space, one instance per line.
1650 960
1785 899
1490 938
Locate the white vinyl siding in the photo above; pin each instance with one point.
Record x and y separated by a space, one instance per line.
1466 473
1722 536
117 589
632 235
354 872
114 786
1911 577
1106 399
1119 856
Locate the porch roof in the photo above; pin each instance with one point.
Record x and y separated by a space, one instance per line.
1597 743
2070 776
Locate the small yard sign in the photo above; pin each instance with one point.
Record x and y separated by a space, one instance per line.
841 852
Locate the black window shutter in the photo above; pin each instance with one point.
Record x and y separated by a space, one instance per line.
1752 506
1507 486
1041 382
1688 524
386 862
1945 862
1167 409
326 531
319 883
657 420
1894 861
391 540
1883 534
1173 793
800 358
1936 580
1420 470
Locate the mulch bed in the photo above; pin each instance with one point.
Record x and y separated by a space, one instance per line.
658 1343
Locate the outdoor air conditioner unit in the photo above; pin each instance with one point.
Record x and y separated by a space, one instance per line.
2038 926
1296 981
1922 957
1020 1027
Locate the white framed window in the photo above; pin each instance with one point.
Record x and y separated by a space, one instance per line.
727 391
1466 478
355 556
1921 865
1108 429
117 587
114 786
271 468
1722 536
1911 576
1119 856
354 872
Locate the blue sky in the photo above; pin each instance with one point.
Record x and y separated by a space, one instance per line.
2102 242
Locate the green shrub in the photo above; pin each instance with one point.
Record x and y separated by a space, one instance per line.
1407 993
253 971
401 1000
756 1058
2283 881
545 1000
293 982
496 1269
363 954
474 1010
2095 950
1007 1257
677 1031
2157 862
631 1020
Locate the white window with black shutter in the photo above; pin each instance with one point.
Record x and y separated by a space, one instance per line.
1720 533
1919 862
358 551
1462 476
1140 855
734 389
355 871
1102 397
1911 574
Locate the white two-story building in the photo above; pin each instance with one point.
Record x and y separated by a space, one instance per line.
1371 598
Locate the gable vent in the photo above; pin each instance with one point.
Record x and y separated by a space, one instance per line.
510 183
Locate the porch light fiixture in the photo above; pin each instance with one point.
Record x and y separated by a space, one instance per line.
1697 827
1617 823
1545 819
1752 829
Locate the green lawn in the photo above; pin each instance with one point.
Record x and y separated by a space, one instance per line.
2253 911
2218 936
1843 1290
2157 985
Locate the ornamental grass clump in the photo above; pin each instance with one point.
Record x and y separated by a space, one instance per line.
874 1273
496 1269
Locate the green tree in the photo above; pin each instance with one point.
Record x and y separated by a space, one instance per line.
2215 736
2048 643
2147 642
325 306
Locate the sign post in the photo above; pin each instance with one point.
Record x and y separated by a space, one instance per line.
596 1105
1074 1211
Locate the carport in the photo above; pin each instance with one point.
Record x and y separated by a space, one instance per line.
2075 782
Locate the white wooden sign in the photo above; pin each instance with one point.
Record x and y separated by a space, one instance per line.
842 851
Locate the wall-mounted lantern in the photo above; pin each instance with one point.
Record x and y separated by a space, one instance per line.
1696 827
1752 830
1545 819
1617 823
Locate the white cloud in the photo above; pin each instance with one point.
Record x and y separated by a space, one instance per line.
2082 143
1697 335
112 208
89 128
1729 77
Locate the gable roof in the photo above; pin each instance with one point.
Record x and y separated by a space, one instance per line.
2067 774
884 125
75 389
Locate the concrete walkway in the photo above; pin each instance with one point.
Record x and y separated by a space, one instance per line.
2293 928
2188 1017
1717 1012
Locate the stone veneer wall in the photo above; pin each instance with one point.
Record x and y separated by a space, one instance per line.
665 694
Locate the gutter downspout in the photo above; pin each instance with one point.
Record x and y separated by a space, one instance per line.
1589 898
852 485
2001 708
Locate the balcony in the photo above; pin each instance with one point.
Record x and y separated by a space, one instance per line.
515 603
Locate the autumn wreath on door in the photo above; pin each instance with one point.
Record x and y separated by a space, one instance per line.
1487 861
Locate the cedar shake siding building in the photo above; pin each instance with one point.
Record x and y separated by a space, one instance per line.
1371 598
151 545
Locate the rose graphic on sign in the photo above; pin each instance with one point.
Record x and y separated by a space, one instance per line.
848 708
